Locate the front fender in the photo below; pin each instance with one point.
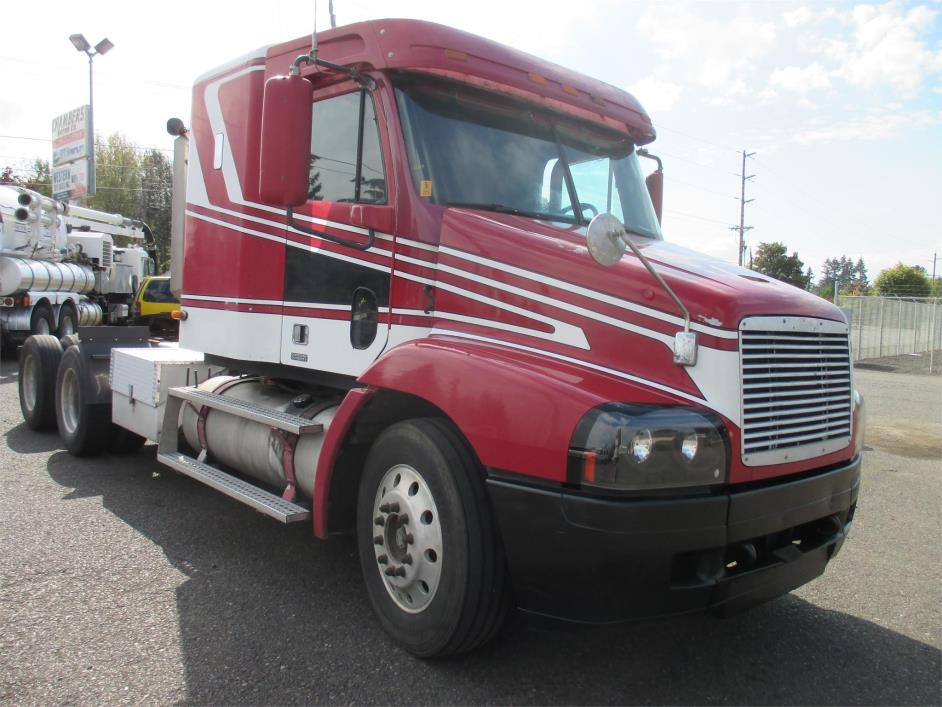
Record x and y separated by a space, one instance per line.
516 408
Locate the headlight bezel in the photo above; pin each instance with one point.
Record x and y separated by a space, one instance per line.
601 458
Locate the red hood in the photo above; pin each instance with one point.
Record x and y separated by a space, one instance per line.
717 293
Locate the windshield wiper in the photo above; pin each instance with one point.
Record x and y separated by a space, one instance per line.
504 209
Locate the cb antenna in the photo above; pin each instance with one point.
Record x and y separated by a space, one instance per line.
333 17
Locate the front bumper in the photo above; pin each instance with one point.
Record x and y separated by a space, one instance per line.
600 561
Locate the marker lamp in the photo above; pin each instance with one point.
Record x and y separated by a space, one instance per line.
641 447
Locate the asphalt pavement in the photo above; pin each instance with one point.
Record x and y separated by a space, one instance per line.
123 582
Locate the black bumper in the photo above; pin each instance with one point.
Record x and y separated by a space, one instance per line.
601 561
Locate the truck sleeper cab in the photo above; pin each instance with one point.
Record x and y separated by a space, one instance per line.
407 309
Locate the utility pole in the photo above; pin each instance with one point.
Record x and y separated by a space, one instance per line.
934 258
742 227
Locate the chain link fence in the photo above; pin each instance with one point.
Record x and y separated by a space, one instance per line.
895 333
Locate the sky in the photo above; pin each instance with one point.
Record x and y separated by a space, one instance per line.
841 102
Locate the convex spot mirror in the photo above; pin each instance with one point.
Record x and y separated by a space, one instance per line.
605 239
284 162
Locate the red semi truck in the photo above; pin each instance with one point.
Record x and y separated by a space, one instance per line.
426 297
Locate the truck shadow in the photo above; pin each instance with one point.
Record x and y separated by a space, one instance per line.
269 615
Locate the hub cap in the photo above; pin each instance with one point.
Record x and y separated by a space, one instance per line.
70 401
407 538
67 326
42 326
30 383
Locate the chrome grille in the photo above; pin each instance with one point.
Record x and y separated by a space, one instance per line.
796 388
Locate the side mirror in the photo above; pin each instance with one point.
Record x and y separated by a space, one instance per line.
655 184
286 141
604 239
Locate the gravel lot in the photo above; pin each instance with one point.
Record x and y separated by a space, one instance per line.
123 582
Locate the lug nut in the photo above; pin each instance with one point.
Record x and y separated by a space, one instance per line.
379 520
409 539
383 559
407 560
404 518
395 571
377 539
389 507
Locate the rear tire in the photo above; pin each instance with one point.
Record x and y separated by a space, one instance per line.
85 428
39 362
448 592
41 321
68 321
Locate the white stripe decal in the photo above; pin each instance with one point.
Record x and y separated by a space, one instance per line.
576 361
236 227
339 256
478 321
585 292
563 332
233 300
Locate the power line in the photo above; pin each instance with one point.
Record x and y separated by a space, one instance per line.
140 148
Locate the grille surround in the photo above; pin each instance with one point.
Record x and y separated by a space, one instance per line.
796 377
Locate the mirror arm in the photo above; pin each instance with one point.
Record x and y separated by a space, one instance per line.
657 276
361 79
643 152
327 237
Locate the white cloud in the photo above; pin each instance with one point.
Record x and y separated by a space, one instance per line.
656 96
800 80
712 53
879 126
797 17
886 49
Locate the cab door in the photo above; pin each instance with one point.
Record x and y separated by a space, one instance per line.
338 259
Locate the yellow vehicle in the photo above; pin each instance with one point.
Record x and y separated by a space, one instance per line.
154 304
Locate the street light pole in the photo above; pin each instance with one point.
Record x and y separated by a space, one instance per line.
103 47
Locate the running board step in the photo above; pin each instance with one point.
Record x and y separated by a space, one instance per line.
282 420
259 499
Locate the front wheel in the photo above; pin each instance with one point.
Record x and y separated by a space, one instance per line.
429 550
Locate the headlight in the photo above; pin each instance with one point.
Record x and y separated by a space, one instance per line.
633 447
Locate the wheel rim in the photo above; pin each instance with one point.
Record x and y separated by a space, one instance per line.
42 326
407 540
30 382
70 401
67 325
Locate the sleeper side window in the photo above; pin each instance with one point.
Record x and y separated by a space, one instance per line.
346 159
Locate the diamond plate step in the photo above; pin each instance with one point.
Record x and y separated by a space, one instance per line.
259 499
281 420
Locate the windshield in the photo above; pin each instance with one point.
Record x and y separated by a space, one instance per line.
477 149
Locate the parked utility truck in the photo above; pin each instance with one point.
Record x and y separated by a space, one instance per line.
425 296
60 267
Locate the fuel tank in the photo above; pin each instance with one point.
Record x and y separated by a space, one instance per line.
253 448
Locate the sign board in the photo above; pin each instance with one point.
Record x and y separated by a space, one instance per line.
70 181
72 153
71 139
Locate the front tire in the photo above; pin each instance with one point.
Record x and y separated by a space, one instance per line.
39 362
85 427
429 550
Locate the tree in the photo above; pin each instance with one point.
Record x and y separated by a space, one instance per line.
851 277
117 177
156 180
903 281
771 259
36 177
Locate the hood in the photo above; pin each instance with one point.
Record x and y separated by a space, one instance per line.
718 294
